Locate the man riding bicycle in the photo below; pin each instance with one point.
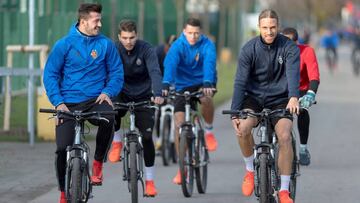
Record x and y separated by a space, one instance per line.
82 72
309 83
267 77
190 65
142 81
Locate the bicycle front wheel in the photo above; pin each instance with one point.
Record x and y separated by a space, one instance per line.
202 158
185 162
133 173
264 179
74 178
294 172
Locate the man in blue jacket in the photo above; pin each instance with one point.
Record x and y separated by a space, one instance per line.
190 65
267 77
83 72
142 83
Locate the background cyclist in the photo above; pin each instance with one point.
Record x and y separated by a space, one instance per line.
191 65
309 83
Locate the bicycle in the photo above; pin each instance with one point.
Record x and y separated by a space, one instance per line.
78 185
133 168
193 154
167 132
267 177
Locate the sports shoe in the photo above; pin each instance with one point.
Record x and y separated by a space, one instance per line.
150 189
97 176
177 179
62 197
304 157
284 197
211 142
115 152
248 183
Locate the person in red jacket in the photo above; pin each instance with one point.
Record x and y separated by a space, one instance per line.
309 83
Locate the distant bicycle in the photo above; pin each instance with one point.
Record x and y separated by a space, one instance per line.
193 154
133 168
355 58
267 176
78 186
167 131
331 59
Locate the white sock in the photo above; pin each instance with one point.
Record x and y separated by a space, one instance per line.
117 136
149 173
208 127
249 161
303 147
285 181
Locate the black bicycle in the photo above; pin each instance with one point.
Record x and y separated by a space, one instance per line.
78 186
267 177
193 154
133 149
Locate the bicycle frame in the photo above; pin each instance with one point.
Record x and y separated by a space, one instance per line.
167 109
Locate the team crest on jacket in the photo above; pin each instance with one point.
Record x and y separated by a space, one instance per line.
281 61
197 56
138 62
94 54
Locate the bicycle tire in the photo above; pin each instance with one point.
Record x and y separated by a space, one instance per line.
201 157
165 142
185 162
76 181
294 172
264 179
133 173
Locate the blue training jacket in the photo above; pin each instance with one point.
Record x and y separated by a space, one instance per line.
82 67
268 73
188 65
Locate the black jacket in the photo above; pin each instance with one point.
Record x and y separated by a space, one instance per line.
142 77
268 73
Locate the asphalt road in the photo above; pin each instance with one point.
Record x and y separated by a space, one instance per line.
26 174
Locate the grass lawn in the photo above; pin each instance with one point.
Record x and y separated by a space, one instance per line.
18 118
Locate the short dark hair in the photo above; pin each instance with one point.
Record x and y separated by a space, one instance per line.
85 9
193 22
268 13
127 26
291 31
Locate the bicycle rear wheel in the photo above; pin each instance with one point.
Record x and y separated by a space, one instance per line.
185 162
202 158
166 145
133 173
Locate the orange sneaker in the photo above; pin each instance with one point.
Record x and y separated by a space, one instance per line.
97 176
177 179
150 189
115 152
211 142
248 183
284 197
62 197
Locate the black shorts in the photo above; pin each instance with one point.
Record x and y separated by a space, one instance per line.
179 102
253 104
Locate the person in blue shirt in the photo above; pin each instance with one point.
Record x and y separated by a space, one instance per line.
83 72
190 65
330 41
142 83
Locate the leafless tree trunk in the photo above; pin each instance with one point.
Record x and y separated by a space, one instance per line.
160 21
206 21
141 17
113 24
179 15
222 26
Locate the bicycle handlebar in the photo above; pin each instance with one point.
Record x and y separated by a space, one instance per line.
79 115
134 105
264 113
